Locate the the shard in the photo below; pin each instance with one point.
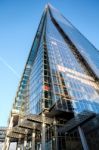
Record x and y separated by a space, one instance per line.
57 102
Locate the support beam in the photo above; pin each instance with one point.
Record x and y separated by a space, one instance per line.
33 140
25 139
19 144
83 139
55 135
25 142
7 140
39 119
43 133
7 144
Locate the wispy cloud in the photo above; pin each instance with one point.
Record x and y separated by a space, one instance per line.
10 67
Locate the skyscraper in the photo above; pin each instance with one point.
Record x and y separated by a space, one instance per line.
57 103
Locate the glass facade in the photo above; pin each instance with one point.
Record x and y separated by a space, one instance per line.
59 90
87 50
58 74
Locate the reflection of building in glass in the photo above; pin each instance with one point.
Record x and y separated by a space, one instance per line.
58 96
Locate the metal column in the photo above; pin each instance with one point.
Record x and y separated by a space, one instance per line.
55 135
83 139
25 139
43 133
7 145
33 140
25 142
19 146
7 140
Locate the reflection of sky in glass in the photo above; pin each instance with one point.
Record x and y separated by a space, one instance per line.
88 51
80 85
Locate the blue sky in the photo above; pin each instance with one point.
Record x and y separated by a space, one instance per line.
18 24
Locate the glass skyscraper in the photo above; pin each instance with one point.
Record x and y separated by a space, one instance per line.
57 103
